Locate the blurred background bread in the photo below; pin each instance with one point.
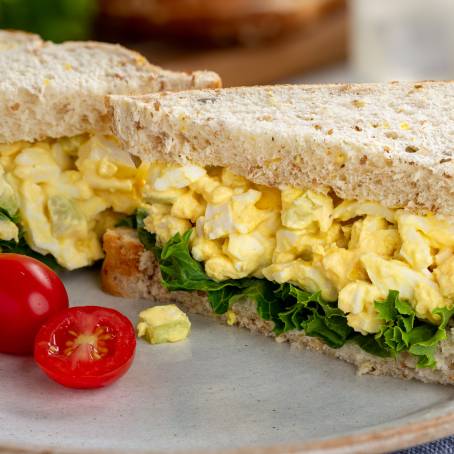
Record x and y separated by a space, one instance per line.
251 42
239 39
220 22
247 42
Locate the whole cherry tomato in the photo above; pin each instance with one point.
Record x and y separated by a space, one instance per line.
86 347
30 292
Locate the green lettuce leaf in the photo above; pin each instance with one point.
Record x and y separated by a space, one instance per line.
146 238
403 331
128 221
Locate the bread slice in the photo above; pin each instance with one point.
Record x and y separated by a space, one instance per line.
129 270
10 39
391 143
56 90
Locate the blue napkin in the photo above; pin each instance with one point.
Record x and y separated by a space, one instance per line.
445 446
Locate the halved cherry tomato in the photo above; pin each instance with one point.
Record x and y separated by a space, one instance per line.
86 347
30 293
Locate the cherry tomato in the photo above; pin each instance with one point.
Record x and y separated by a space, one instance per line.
86 347
30 293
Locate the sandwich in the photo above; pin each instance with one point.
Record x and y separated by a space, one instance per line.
321 216
318 215
63 177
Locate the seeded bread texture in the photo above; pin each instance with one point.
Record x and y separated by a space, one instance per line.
392 143
14 39
55 90
131 271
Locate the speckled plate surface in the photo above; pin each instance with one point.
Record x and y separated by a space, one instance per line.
222 389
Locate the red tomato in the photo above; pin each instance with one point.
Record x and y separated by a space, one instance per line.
86 347
30 293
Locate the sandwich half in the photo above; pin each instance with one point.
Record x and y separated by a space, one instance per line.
63 177
318 215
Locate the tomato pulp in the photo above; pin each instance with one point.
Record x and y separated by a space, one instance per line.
30 293
86 347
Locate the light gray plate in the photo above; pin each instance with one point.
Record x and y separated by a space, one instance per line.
222 388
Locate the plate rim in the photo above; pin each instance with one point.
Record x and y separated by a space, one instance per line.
381 438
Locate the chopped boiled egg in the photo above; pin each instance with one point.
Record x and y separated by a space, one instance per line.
374 234
9 201
444 275
342 266
246 216
189 206
212 190
422 292
161 222
234 181
357 300
416 249
204 249
249 252
176 177
309 277
160 324
8 230
73 251
220 268
351 209
300 209
218 222
36 165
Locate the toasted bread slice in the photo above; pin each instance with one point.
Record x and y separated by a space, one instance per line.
131 271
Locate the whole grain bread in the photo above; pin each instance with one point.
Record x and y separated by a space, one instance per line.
131 271
11 39
55 90
392 143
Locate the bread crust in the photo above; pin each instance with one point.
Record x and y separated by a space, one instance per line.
390 143
56 90
131 271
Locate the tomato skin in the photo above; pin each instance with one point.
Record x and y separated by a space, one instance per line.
30 293
79 368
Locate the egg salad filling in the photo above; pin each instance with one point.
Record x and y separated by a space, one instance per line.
57 197
364 271
340 270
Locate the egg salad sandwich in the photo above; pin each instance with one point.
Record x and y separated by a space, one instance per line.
63 176
319 215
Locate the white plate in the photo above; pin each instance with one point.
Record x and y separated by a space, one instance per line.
222 388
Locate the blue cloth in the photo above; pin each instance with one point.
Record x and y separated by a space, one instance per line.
444 446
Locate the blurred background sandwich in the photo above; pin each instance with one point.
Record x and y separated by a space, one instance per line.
251 42
240 39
